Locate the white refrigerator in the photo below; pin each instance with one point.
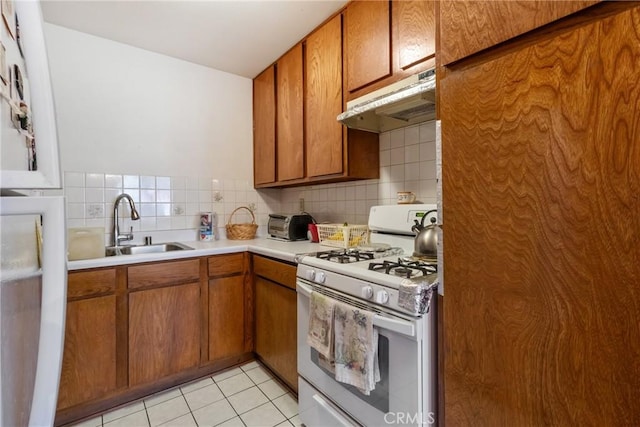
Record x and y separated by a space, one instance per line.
33 274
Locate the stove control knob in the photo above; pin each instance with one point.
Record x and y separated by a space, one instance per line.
382 297
311 274
366 292
320 277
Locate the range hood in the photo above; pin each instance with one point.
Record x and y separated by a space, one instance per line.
404 103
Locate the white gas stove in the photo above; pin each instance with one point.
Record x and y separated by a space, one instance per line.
375 272
385 279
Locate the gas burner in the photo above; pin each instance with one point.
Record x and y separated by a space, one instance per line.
404 267
345 256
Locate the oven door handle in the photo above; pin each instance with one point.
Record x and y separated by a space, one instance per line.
402 327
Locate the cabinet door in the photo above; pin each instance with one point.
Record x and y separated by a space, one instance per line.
323 100
89 361
276 319
164 332
414 30
467 27
264 127
290 142
226 317
367 43
541 300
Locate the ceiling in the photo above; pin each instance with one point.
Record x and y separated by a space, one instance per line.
237 36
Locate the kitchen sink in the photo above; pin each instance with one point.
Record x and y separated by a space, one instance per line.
146 249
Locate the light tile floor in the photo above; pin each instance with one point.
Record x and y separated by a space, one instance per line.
245 396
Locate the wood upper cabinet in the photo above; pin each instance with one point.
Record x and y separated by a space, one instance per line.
230 307
323 100
264 127
312 146
89 359
386 41
467 27
367 34
541 301
414 34
276 317
289 116
164 321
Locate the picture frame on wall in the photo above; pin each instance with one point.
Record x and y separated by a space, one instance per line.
9 16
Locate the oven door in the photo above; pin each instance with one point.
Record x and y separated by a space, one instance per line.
397 399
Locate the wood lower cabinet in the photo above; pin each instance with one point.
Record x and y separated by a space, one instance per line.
164 332
89 360
134 330
276 317
230 308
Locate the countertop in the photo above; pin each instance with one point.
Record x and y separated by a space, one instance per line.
285 251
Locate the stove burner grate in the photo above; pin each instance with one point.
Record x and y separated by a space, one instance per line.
345 256
404 267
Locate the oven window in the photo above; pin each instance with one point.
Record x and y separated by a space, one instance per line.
379 397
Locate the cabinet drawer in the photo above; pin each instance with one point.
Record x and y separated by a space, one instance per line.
275 271
221 265
165 273
87 283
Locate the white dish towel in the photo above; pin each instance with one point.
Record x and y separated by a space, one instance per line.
356 348
320 334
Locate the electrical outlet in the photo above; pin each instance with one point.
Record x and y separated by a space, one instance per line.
301 204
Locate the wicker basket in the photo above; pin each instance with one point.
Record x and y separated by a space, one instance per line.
241 231
343 236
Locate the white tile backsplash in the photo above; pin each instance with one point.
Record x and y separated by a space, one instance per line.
406 164
94 180
170 205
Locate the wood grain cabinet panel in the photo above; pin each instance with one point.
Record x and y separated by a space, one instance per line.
275 271
367 36
467 27
163 273
164 332
323 100
542 228
414 31
276 317
87 283
276 321
264 127
289 116
222 265
226 317
89 360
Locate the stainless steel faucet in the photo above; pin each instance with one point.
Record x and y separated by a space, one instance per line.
116 236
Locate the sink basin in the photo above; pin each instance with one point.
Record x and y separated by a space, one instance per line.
146 249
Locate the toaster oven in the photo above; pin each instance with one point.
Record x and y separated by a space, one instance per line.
289 227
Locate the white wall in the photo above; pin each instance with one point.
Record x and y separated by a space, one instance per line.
126 110
174 135
129 115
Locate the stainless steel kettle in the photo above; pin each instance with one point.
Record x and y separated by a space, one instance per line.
426 240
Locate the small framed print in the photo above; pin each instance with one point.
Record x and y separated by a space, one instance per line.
9 16
4 71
